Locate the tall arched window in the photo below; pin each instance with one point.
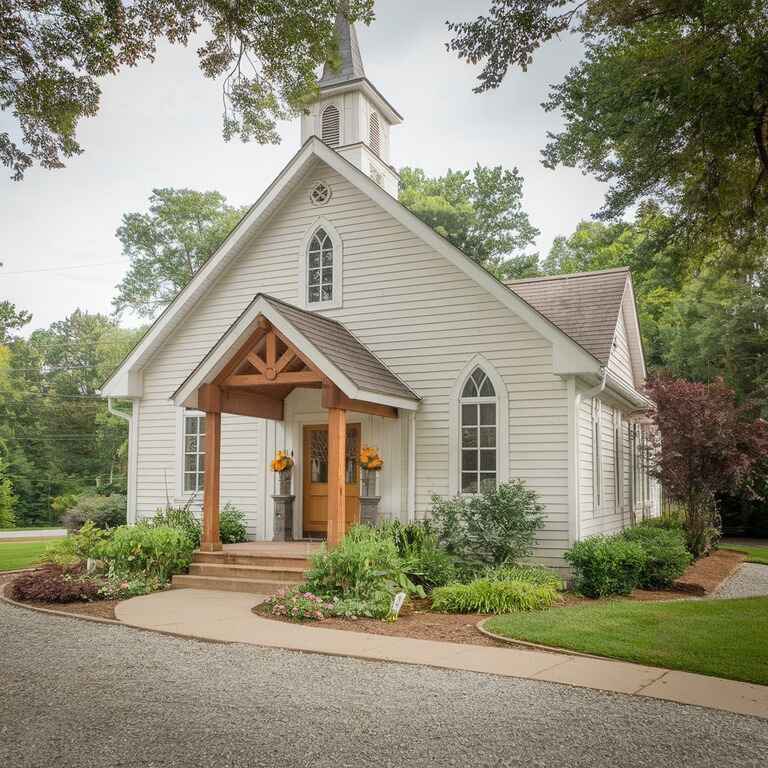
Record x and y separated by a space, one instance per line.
374 134
479 434
320 268
330 126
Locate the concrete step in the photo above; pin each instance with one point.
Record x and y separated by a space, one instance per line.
253 571
266 561
252 586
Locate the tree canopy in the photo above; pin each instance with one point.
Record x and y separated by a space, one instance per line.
167 245
669 102
54 52
479 211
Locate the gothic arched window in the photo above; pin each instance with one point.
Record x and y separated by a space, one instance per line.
479 434
320 268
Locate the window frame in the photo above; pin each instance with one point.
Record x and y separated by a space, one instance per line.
181 453
455 421
477 402
618 459
336 300
597 455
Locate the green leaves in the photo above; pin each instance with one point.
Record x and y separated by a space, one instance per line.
479 211
167 245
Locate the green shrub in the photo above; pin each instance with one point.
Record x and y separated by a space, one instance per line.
606 565
424 561
487 596
88 542
232 525
665 522
54 584
531 574
666 554
299 604
115 588
181 518
364 566
491 528
148 551
103 511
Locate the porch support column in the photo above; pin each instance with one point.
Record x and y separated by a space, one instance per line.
337 448
209 399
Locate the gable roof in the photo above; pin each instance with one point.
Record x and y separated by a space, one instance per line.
569 357
326 342
585 305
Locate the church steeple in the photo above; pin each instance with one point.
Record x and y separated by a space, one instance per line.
350 114
349 51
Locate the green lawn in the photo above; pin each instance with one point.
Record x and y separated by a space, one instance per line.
725 638
754 554
21 554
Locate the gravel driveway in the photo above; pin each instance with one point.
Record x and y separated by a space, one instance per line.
82 694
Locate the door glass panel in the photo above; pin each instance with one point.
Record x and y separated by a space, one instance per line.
352 453
318 456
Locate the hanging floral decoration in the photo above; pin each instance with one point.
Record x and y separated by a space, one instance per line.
370 459
281 462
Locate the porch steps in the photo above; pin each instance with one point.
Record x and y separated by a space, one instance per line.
256 572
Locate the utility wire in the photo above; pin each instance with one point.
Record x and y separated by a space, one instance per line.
60 269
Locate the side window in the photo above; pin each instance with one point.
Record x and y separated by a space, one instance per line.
194 452
597 453
479 434
320 268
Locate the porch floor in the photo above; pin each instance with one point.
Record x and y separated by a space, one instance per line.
274 548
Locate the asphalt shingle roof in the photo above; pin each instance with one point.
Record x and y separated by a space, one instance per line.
584 305
349 51
344 350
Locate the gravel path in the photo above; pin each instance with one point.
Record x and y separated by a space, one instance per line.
82 694
750 580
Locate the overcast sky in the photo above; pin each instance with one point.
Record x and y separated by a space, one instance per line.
160 126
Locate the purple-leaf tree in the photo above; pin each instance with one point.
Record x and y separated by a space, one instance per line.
707 444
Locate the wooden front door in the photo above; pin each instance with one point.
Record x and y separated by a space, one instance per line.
315 481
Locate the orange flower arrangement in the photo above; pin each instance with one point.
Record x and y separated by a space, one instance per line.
370 459
281 462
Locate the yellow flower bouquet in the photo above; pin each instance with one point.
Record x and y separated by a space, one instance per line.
281 462
370 459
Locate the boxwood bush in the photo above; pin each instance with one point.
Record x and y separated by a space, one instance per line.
152 552
667 556
606 565
488 596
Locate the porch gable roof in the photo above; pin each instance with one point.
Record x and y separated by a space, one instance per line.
331 347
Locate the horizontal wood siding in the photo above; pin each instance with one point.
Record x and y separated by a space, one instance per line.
422 316
620 361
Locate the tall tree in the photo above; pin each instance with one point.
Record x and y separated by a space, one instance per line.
11 319
167 245
7 499
53 52
479 211
669 102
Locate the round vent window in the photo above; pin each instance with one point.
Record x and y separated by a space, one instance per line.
320 194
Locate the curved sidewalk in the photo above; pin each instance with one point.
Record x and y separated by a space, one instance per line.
227 617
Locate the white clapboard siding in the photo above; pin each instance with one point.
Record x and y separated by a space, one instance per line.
620 362
422 316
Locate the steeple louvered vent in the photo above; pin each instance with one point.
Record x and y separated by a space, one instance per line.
331 126
374 134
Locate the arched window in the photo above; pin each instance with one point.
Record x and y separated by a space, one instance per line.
374 134
479 434
330 126
320 268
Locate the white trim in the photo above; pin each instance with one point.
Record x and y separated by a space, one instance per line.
574 455
236 336
411 481
567 356
502 422
598 487
133 456
338 267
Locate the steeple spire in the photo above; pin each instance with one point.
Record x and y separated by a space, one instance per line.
349 51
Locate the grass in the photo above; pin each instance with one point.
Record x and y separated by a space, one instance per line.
21 554
724 638
754 554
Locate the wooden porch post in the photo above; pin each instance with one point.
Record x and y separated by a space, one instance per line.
210 401
337 448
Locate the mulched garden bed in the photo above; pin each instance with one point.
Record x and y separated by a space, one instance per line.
102 609
418 621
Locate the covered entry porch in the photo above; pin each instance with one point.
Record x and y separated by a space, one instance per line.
323 396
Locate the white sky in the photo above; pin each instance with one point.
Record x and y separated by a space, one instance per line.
160 126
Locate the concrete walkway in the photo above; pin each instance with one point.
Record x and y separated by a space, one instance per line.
35 533
227 617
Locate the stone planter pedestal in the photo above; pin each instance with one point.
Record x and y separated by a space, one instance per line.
283 499
369 501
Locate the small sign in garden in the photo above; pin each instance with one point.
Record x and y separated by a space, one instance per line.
397 604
